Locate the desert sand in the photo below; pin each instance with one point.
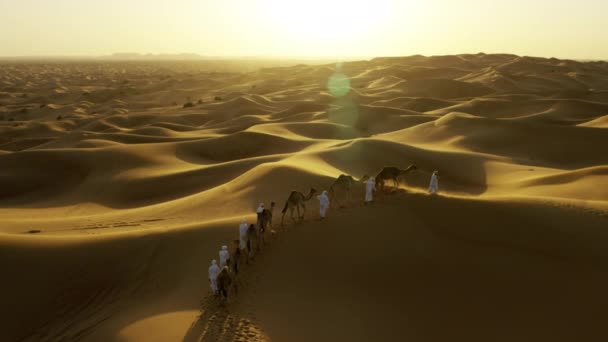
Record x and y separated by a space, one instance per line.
121 180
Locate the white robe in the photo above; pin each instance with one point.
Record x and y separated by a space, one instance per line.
224 256
214 270
243 236
369 190
260 211
323 203
434 186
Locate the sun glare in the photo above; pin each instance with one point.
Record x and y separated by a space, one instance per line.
321 22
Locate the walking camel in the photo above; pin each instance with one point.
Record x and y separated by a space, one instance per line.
296 200
391 173
343 184
267 215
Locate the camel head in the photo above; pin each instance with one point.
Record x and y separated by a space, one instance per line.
311 193
272 204
410 168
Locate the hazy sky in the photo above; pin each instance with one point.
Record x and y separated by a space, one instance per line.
361 28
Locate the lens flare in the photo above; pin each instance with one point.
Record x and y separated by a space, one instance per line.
338 84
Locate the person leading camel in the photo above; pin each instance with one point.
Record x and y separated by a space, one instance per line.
243 237
224 256
434 185
370 187
214 270
323 204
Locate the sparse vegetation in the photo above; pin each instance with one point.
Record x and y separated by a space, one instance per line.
59 118
218 98
200 101
188 105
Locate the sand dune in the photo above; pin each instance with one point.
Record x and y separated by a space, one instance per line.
601 122
121 180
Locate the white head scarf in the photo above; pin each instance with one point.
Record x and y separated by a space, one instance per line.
224 247
261 208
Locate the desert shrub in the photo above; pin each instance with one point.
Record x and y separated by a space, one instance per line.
59 118
200 101
218 98
188 104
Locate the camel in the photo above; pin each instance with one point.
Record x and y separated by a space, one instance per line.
235 258
391 173
252 242
225 282
267 216
344 184
296 200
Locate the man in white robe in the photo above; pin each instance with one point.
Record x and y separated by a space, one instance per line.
224 256
243 235
323 204
214 270
369 189
434 185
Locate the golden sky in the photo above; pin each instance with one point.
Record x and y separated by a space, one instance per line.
301 28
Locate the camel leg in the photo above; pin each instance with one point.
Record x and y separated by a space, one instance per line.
303 212
292 212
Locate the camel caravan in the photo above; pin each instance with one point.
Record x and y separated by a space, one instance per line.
252 237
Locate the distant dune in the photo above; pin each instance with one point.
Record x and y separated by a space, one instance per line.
120 181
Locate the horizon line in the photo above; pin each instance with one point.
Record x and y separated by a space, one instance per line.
191 56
